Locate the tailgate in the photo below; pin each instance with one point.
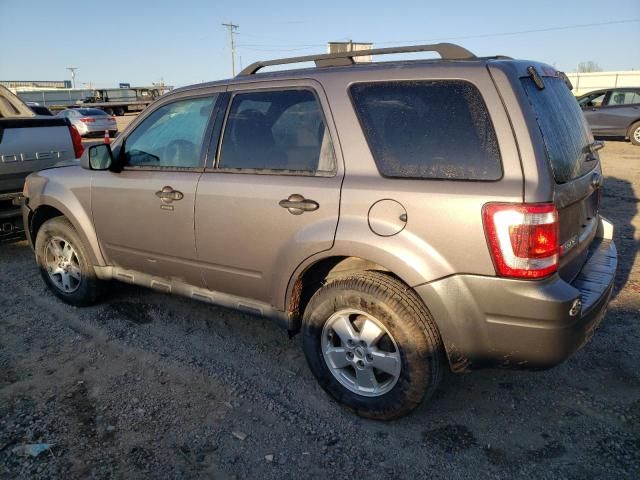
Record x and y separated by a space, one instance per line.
30 144
576 168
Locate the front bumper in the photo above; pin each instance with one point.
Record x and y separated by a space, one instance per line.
492 321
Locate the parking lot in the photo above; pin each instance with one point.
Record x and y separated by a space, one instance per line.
146 385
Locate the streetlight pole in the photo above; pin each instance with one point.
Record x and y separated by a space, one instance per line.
73 75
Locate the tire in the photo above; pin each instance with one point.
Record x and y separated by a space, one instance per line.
119 111
108 111
634 133
407 335
74 282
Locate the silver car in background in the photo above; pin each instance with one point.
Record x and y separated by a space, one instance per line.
90 120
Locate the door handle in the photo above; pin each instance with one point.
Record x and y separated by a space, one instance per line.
297 204
168 194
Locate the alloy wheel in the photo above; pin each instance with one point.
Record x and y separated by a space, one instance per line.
62 264
360 353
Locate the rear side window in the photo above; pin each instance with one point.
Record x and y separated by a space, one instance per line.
624 98
428 129
564 129
277 130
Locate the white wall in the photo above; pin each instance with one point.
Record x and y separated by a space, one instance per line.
587 82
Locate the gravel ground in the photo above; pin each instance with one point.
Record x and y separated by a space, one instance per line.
147 385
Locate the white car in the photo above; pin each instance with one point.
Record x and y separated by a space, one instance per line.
90 121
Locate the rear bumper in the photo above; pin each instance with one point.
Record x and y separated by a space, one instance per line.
491 321
98 129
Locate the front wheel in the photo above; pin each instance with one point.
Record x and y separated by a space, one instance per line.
634 133
372 345
64 263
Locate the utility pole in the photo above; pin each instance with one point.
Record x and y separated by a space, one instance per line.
73 75
232 28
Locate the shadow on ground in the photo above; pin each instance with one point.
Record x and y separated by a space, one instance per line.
620 206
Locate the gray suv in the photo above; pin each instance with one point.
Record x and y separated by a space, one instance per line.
405 216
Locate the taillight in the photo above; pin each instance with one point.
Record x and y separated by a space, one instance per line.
87 120
78 149
523 238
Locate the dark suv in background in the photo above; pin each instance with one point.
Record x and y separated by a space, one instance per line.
407 217
613 113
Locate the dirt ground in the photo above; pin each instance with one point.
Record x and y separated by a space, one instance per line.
145 385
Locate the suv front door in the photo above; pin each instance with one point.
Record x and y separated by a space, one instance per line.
271 197
592 109
144 214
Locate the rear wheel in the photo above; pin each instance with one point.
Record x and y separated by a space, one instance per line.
634 133
372 345
108 111
64 263
119 111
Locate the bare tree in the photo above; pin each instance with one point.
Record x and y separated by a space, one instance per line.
590 66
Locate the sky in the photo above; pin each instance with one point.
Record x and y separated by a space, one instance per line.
184 42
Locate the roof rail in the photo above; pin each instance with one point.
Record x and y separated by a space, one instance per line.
447 51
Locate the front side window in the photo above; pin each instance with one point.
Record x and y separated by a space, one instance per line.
428 129
277 130
171 136
595 100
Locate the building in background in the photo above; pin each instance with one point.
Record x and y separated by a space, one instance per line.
35 84
350 46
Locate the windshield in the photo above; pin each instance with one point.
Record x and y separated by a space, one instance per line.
564 129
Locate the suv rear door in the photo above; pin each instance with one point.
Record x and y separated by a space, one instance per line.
270 198
574 167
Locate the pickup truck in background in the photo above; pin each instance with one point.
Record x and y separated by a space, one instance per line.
28 142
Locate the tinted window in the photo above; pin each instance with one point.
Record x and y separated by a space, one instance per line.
563 126
623 98
171 136
438 130
277 130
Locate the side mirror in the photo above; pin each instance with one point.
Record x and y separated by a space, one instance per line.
97 157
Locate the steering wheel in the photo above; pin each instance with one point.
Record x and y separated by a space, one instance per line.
180 153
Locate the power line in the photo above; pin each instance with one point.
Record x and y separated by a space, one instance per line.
520 32
232 29
301 46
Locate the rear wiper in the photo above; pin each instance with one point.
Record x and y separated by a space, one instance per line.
596 145
592 149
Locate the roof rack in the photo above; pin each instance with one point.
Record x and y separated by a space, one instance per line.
447 51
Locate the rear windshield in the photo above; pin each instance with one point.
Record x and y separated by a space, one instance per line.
90 112
564 129
428 129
